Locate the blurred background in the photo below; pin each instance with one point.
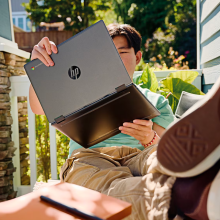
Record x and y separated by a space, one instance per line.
168 27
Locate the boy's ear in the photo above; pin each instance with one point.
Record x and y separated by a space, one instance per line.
138 57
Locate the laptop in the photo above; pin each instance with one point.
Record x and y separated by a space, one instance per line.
88 93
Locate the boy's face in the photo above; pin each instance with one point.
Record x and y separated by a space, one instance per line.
128 56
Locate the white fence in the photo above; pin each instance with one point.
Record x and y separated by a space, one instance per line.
20 87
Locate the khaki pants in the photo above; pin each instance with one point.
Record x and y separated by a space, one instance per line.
124 173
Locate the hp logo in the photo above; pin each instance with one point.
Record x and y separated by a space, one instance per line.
74 72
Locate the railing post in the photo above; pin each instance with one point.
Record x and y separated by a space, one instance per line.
20 87
32 145
53 153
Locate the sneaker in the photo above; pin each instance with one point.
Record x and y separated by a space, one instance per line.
192 145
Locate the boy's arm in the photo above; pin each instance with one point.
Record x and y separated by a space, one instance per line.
159 129
34 102
41 51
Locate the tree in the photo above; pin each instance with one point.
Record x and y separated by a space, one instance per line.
76 14
162 24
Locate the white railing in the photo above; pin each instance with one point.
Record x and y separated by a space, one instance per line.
20 87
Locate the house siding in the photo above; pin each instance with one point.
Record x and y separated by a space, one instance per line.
16 5
208 38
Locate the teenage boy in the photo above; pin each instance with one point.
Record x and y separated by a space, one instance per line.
128 42
119 166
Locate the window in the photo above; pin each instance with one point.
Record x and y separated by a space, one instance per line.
13 20
20 23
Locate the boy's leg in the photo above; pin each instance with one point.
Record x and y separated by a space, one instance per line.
96 169
145 162
190 195
149 195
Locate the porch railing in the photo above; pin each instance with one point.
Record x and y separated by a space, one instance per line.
20 87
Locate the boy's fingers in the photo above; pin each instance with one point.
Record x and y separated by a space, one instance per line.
44 54
137 137
137 126
53 47
40 57
143 122
45 43
134 131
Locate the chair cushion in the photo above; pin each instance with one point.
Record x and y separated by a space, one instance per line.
186 101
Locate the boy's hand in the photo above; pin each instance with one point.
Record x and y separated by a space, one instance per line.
42 51
140 129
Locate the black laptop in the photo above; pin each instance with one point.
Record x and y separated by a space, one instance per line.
88 93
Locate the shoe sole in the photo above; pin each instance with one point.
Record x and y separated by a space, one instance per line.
214 199
192 145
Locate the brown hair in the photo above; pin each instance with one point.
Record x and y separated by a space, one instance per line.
132 35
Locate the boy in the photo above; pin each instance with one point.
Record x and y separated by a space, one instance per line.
128 42
131 173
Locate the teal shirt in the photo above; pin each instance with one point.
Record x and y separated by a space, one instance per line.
164 119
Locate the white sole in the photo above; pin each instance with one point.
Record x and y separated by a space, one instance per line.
208 162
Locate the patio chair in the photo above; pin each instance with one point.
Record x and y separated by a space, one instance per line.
186 101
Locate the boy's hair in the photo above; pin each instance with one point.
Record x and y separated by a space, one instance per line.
132 35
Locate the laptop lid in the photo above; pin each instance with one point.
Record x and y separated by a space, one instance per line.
87 68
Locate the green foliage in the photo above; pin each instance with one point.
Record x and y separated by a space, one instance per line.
76 14
147 80
172 62
43 148
162 24
186 76
108 15
175 83
171 87
62 150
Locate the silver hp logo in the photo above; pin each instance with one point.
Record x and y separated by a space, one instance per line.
74 72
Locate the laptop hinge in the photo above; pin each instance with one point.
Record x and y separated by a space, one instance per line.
59 119
120 88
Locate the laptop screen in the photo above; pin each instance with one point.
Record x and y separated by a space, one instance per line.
87 68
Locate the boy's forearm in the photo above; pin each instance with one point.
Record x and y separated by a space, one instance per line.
160 130
34 102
